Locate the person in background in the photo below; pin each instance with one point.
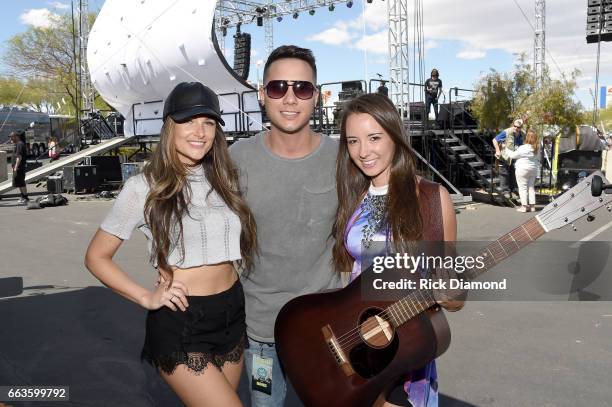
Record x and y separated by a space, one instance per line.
53 148
526 169
508 140
433 90
20 153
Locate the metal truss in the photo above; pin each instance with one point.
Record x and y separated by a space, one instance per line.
241 12
397 11
87 90
539 44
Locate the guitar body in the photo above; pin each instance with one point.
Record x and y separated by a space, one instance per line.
315 372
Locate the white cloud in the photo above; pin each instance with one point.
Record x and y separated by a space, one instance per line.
482 29
254 52
332 36
38 17
499 25
58 5
471 54
430 44
375 17
374 43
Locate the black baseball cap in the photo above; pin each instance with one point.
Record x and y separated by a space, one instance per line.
190 99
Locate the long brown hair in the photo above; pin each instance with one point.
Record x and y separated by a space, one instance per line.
169 196
532 138
402 206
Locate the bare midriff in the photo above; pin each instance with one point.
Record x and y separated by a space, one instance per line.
207 279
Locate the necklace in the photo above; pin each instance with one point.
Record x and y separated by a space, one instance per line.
374 208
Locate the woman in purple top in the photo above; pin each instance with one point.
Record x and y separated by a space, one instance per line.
382 199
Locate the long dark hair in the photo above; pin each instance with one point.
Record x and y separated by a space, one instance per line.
169 195
402 206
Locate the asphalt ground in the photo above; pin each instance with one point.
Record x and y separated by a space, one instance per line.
60 326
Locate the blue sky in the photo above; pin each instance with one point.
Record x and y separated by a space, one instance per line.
463 38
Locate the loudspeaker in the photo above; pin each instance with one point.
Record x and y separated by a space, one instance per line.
599 17
580 160
81 177
109 167
55 184
242 54
417 110
458 112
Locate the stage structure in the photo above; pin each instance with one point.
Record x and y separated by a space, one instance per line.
539 44
139 50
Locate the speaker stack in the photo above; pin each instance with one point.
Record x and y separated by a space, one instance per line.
81 178
572 163
242 54
599 16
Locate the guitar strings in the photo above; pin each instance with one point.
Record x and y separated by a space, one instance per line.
353 336
386 312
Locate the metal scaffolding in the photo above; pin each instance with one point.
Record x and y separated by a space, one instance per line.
539 44
269 35
87 90
397 11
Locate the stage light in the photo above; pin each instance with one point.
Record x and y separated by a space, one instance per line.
331 7
259 21
349 4
369 1
279 19
224 31
295 15
311 12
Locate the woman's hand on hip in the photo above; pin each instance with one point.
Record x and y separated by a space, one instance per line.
173 296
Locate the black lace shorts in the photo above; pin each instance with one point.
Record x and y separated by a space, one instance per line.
211 330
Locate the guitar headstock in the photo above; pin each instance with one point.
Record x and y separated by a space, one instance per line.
575 203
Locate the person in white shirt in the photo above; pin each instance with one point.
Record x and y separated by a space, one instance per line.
526 169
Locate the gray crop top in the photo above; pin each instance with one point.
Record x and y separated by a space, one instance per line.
211 231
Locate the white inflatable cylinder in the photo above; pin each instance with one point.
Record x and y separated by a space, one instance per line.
139 50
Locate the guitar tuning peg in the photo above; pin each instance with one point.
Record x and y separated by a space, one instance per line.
590 218
574 228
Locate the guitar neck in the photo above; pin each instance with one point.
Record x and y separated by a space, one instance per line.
510 243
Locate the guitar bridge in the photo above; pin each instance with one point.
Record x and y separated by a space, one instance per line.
336 351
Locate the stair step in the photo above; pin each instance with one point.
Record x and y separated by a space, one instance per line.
495 180
465 156
484 172
476 164
449 140
458 148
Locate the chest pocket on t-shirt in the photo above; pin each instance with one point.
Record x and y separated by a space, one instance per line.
317 210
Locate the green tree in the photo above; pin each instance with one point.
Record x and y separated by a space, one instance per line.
44 60
37 94
502 97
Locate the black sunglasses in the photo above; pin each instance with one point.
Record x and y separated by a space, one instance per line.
301 89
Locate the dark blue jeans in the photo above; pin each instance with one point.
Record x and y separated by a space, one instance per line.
429 101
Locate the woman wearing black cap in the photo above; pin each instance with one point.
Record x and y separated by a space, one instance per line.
188 205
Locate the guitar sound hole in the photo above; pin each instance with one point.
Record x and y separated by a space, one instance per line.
378 345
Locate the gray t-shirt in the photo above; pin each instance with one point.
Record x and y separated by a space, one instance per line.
294 203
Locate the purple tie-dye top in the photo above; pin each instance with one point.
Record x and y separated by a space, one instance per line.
421 385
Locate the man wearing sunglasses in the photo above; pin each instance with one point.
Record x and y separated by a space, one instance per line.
288 177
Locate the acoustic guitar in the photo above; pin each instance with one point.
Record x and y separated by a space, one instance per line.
338 350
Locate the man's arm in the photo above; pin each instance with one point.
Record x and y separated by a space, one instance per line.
499 139
439 89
